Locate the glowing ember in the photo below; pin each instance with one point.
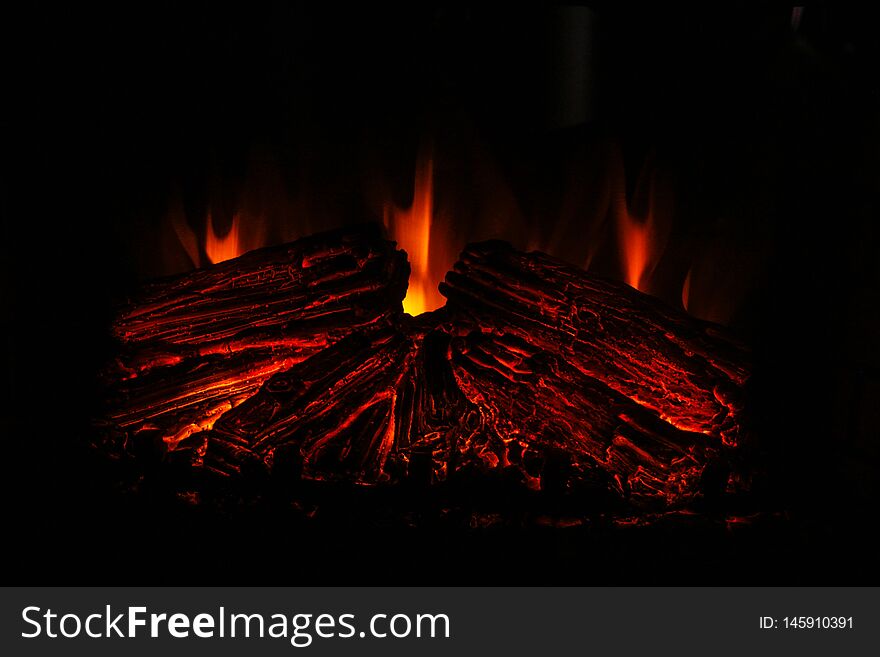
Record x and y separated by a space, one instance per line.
411 228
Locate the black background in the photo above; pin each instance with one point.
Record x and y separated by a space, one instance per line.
104 108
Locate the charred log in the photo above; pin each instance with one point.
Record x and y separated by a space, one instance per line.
374 408
535 369
559 427
335 280
688 373
535 372
195 345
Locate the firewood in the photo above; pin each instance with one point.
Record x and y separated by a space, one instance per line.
537 409
336 408
373 406
690 374
534 368
195 345
339 279
534 372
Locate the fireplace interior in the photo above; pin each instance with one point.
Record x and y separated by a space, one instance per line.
583 295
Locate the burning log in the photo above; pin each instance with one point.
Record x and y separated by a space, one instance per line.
376 407
337 280
688 373
336 409
535 371
546 418
374 410
508 377
198 344
417 403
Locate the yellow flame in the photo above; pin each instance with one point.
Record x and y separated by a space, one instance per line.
411 228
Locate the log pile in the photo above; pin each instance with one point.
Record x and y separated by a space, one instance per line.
534 369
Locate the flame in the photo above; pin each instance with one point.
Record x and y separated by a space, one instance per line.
686 291
720 280
265 209
411 228
636 248
223 248
247 231
245 234
643 235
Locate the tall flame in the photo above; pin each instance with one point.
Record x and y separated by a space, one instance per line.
222 248
637 248
411 228
642 235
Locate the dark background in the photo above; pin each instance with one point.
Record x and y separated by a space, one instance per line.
104 110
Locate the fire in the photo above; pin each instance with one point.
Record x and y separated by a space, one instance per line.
262 211
223 248
244 234
642 234
411 228
686 291
636 248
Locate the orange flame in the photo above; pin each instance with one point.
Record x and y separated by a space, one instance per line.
412 229
642 235
247 232
637 248
223 248
264 212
